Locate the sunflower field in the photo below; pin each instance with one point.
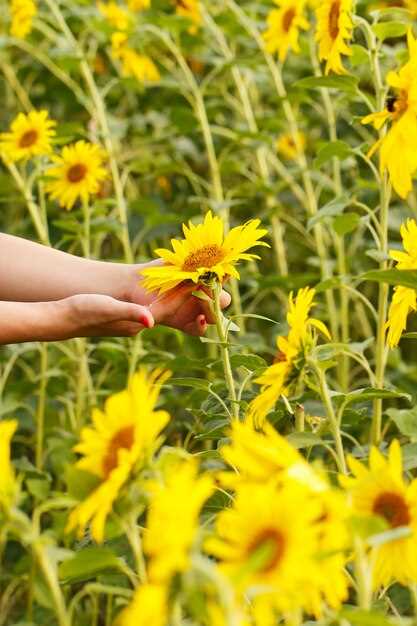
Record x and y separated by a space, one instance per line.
256 464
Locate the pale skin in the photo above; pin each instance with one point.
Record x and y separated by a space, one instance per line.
49 295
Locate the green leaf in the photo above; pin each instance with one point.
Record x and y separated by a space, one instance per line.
389 30
334 207
406 421
332 149
347 84
252 362
304 440
196 383
87 564
406 278
361 617
371 393
346 223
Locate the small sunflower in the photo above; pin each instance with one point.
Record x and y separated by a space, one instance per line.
149 606
381 490
398 152
30 135
289 148
115 15
138 66
404 299
22 13
123 437
8 486
77 173
204 253
268 539
191 10
334 29
279 377
284 25
172 522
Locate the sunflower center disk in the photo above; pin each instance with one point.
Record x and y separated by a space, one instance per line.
123 439
207 256
76 173
393 508
28 139
334 20
287 19
268 547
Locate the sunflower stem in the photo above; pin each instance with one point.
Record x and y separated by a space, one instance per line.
362 575
51 579
133 535
40 410
219 317
86 240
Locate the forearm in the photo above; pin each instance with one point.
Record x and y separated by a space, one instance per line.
23 321
30 272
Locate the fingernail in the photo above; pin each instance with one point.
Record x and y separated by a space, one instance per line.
146 320
203 321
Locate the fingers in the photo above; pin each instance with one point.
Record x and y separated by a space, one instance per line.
225 299
198 327
139 314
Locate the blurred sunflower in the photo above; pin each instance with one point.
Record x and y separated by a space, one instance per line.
22 13
278 378
77 174
8 485
191 10
138 5
30 135
115 15
334 29
404 299
381 491
148 607
398 152
289 148
133 64
124 436
205 253
284 25
268 538
172 521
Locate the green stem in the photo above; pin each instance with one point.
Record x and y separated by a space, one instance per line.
40 411
133 535
86 241
217 311
52 581
362 576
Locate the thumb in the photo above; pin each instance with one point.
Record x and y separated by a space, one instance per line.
139 314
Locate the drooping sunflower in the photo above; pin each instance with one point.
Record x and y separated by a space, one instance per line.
289 148
7 477
77 173
205 252
381 490
30 135
149 606
334 30
138 66
404 299
284 25
122 438
22 13
268 539
172 521
278 378
191 10
115 15
398 152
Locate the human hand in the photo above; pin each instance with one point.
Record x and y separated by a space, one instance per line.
177 308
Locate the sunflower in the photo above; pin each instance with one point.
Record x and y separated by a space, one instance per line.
149 606
8 486
279 377
191 10
115 15
268 539
30 135
138 5
289 148
133 64
284 25
404 299
381 491
398 152
334 29
77 174
173 520
205 253
22 13
123 437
